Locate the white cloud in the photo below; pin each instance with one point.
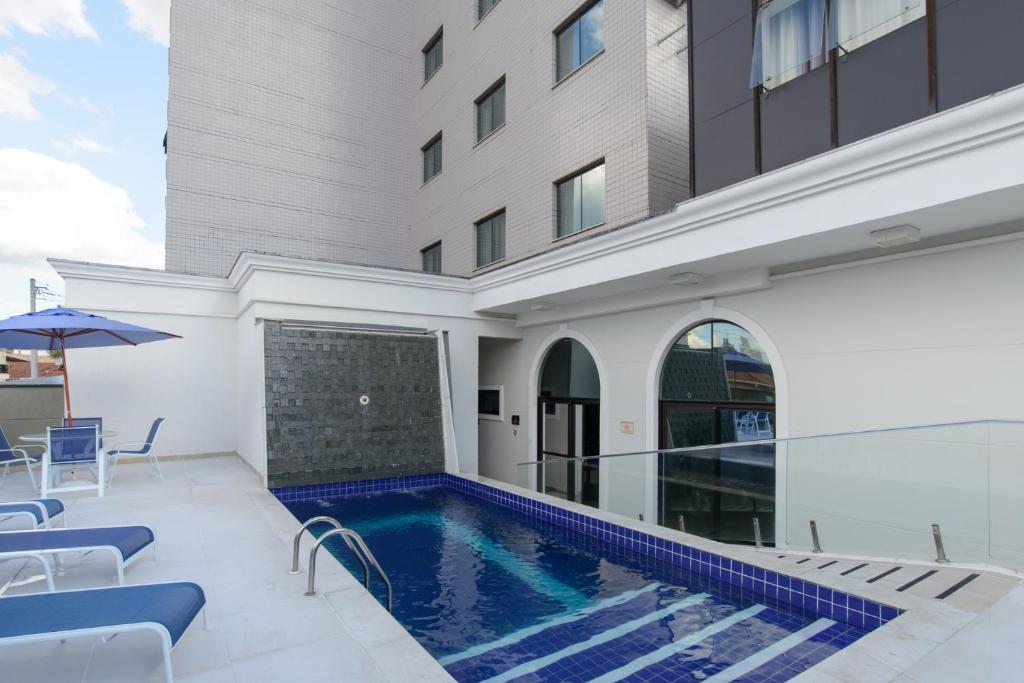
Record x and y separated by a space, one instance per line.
82 102
53 208
46 17
151 17
81 144
18 86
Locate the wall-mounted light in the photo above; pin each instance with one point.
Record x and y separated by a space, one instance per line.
686 279
541 306
896 237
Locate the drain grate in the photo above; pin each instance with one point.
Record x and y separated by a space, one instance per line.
884 574
957 586
918 580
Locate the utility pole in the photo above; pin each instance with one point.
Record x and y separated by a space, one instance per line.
34 355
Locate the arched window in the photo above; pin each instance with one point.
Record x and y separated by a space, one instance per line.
568 416
717 387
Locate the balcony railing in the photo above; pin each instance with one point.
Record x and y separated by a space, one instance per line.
879 493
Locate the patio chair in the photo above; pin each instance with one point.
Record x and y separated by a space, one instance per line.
167 609
38 513
125 543
85 422
9 455
72 448
135 449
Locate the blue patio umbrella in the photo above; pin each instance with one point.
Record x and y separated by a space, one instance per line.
65 328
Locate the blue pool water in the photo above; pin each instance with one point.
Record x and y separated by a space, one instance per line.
498 595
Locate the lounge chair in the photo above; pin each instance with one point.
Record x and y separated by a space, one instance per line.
38 513
164 608
136 449
10 455
124 542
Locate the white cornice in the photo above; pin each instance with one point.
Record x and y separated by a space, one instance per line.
974 125
82 270
249 263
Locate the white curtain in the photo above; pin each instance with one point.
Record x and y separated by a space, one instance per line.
789 40
858 22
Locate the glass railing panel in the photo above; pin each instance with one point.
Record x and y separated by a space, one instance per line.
1006 497
878 493
874 493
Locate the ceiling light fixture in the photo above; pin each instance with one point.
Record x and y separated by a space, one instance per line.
686 279
896 237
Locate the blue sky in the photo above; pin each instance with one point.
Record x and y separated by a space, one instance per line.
83 110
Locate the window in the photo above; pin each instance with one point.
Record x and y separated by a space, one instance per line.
433 55
857 22
789 40
432 158
489 403
580 39
432 258
490 110
483 7
490 239
581 201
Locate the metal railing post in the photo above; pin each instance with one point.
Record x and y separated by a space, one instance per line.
940 551
814 538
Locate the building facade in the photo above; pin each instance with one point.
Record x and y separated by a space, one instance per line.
848 260
301 130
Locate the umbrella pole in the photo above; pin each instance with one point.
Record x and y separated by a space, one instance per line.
67 391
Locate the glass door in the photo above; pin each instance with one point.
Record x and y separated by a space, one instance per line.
568 431
556 476
717 492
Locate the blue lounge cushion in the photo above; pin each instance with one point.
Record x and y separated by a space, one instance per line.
53 508
128 539
174 605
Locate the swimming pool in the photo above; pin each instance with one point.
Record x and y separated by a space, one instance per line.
496 593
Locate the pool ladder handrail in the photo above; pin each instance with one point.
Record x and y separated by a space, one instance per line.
355 543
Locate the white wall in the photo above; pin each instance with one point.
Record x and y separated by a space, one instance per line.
210 383
288 131
251 425
503 446
190 381
936 337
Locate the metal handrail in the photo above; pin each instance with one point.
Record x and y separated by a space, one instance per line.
764 442
337 525
349 535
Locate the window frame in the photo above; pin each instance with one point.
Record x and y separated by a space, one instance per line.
558 204
437 140
436 40
479 5
500 417
476 237
488 95
573 22
440 256
870 35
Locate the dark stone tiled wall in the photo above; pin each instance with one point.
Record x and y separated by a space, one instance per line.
317 430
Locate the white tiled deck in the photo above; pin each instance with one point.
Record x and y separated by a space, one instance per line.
217 526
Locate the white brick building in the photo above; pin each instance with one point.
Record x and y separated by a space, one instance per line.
296 128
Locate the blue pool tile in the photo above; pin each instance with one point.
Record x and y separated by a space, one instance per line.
781 589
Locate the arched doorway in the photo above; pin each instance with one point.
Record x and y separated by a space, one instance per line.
568 422
717 387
